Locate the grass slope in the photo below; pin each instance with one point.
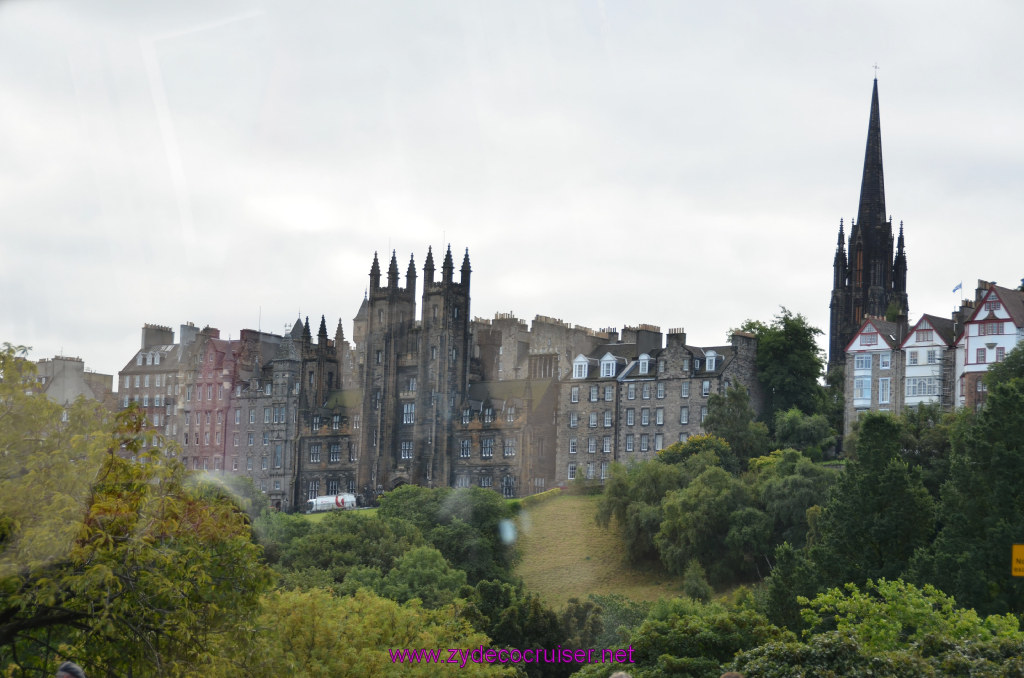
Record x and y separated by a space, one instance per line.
566 555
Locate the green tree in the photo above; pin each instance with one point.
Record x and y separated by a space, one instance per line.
422 573
695 582
789 363
309 634
788 485
731 418
128 565
878 512
981 512
810 434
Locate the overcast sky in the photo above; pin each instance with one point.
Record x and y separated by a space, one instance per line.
684 164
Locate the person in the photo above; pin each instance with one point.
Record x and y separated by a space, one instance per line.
70 670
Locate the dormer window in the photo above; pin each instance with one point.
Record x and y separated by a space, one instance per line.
869 339
608 365
645 363
156 358
712 360
579 367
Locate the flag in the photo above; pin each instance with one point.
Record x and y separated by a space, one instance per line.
959 286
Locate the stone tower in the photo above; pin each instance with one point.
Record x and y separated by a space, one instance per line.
867 278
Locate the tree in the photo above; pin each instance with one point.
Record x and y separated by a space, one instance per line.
308 634
423 573
731 418
981 512
126 565
878 512
811 434
789 363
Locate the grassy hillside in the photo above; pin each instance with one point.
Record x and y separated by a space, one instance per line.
565 555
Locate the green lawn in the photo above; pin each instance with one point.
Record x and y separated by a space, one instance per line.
317 517
565 555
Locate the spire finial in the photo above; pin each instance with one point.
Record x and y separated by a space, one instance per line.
876 70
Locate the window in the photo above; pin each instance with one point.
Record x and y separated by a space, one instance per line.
316 422
661 389
933 356
138 360
379 357
922 386
234 463
263 463
684 414
659 441
884 360
234 440
645 363
571 474
659 416
464 446
980 355
574 419
590 470
510 414
314 454
220 392
137 381
266 415
647 392
579 368
412 384
486 481
862 361
712 358
591 445
883 391
409 413
335 420
912 358
510 447
467 414
705 388
992 305
357 420
630 416
335 453
862 388
684 390
608 419
644 442
629 442
252 438
278 452
574 394
252 415
333 487
593 394
487 448
238 416
145 401
266 437
206 438
406 449
488 415
604 470
924 335
703 413
145 381
606 444
573 445
986 328
645 416
353 452
593 420
157 402
1000 354
608 393
462 480
608 368
248 463
869 339
314 489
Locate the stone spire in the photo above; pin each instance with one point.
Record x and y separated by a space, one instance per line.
447 267
375 273
306 336
322 334
871 213
393 272
410 276
465 268
428 268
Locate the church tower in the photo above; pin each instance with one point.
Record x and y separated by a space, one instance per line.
867 278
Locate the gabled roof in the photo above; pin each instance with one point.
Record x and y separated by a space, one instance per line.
890 332
943 328
1012 300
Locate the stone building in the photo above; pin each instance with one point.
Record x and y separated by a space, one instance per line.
867 279
64 379
150 379
629 398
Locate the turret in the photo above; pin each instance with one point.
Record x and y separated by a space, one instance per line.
465 269
447 266
428 269
375 273
410 277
